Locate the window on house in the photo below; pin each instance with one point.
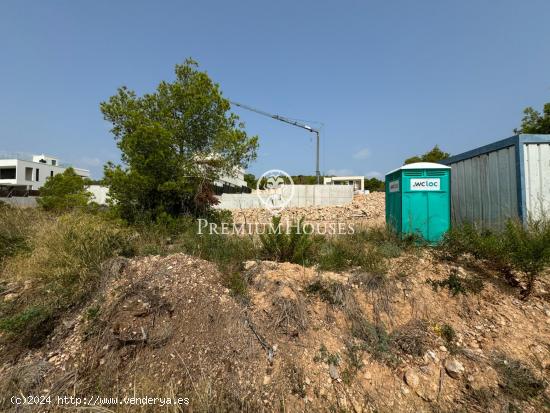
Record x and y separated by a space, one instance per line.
51 174
7 173
28 174
37 175
54 162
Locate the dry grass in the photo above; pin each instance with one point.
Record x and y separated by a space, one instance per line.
59 267
290 315
412 338
332 292
17 228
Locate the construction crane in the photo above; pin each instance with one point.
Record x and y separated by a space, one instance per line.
290 122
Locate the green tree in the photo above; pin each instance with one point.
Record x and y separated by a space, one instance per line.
434 155
250 180
174 143
374 185
64 191
305 179
535 122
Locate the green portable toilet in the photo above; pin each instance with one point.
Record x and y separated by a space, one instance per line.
418 200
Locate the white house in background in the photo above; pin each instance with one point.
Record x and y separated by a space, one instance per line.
236 180
358 182
20 173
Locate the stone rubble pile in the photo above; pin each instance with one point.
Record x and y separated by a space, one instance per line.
368 210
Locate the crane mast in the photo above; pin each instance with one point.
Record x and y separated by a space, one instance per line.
290 122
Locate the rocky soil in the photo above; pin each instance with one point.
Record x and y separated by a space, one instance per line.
365 210
300 340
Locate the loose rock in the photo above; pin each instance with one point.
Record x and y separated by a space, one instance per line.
454 368
411 378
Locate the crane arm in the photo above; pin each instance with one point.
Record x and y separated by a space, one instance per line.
290 122
277 117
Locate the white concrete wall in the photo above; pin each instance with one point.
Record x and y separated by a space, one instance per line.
304 196
100 194
21 201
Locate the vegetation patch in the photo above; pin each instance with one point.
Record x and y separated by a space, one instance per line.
354 361
324 356
517 247
331 292
347 251
62 266
373 336
517 379
237 284
294 245
457 285
412 338
297 380
290 315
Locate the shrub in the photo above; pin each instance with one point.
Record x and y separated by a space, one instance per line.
518 380
458 285
338 254
374 336
528 249
64 191
523 248
31 326
452 282
294 245
236 284
331 292
448 334
412 338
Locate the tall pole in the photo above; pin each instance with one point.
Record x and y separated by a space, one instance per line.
317 172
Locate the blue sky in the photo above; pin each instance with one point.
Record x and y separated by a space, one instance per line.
388 79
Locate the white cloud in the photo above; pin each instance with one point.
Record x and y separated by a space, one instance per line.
362 154
374 174
90 161
339 172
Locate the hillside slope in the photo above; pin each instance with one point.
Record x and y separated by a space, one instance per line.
298 340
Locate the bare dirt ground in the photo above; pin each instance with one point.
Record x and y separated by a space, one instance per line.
301 340
364 211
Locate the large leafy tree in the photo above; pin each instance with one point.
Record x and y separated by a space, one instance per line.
174 143
434 155
534 121
64 191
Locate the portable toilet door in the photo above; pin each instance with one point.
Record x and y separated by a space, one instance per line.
418 200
